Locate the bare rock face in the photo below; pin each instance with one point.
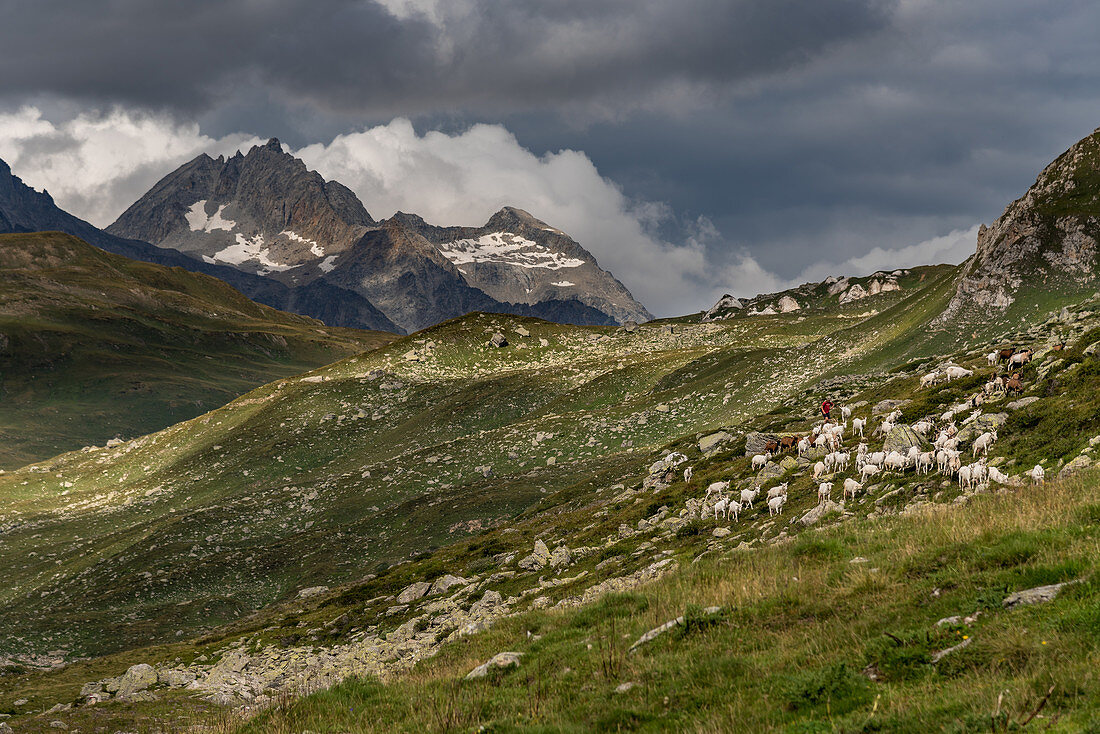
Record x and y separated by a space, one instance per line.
1047 239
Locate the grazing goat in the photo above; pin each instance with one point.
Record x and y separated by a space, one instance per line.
851 487
775 505
824 490
1014 386
733 508
819 470
955 372
925 462
804 446
922 428
996 475
748 496
720 507
983 442
779 490
964 477
1020 358
845 413
715 487
929 379
688 474
1038 474
858 424
992 359
869 470
759 461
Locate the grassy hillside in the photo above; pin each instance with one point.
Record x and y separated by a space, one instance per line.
187 548
94 346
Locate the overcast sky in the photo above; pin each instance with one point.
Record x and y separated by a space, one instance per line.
696 147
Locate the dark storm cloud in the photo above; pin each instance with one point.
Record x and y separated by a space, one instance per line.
492 56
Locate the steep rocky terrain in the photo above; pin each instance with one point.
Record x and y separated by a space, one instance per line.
94 345
264 213
1042 252
22 209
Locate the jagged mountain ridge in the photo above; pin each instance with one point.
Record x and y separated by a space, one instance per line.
264 213
22 209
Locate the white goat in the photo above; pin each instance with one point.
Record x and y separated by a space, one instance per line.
858 424
779 490
824 490
688 474
718 487
964 477
759 461
851 487
929 379
983 442
748 495
869 470
721 507
775 505
996 475
819 470
955 372
1038 474
992 358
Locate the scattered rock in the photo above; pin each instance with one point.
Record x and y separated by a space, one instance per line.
710 444
414 591
720 532
1075 466
539 558
818 512
312 591
498 340
938 656
136 678
901 438
445 582
755 442
1022 402
561 557
887 406
522 331
500 660
1037 595
624 687
658 631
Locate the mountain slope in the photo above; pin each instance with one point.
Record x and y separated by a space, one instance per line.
95 345
22 209
1041 253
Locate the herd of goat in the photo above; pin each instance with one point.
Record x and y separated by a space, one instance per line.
946 456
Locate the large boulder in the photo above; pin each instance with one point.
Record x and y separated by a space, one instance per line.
445 582
755 442
887 406
710 444
1079 464
561 557
499 661
539 557
1038 595
901 439
771 470
413 591
136 678
820 511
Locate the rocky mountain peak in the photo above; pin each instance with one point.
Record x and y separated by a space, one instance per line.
1047 239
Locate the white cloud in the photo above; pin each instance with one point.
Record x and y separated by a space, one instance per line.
952 248
95 165
462 179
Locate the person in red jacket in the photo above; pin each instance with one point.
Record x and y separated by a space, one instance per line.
826 406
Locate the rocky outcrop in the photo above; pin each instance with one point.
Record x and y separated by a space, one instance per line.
1046 239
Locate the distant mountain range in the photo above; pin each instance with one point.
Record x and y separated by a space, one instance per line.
265 214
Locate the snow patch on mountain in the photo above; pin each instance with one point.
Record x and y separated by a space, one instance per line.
563 284
199 221
314 248
248 249
328 264
508 249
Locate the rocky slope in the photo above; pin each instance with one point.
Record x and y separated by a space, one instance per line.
1043 248
22 209
264 213
94 345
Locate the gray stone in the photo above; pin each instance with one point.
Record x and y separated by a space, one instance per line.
662 408
227 669
711 443
624 687
1022 402
136 678
1078 464
991 420
174 678
490 600
720 532
818 512
500 661
498 340
58 725
630 327
901 438
413 591
445 582
561 557
91 689
771 470
1037 595
522 331
755 442
539 558
312 591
